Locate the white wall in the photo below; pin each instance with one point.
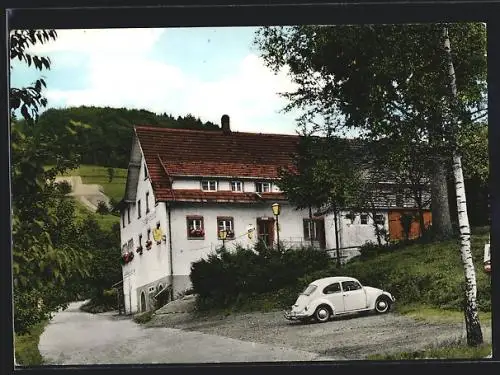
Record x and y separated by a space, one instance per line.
186 184
186 251
152 264
351 234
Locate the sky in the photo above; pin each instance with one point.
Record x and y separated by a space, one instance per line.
207 72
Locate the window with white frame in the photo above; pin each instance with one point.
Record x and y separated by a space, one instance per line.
262 187
139 209
209 185
123 219
237 186
363 219
311 230
195 227
145 172
147 202
227 224
128 214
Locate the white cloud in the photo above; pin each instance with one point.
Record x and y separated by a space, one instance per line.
101 41
122 75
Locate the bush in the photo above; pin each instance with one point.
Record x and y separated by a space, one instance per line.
103 303
102 208
64 187
371 249
226 278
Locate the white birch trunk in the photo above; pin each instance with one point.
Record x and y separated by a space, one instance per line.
472 325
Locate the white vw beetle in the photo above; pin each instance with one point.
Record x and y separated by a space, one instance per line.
332 296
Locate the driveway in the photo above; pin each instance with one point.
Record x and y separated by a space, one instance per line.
352 338
74 337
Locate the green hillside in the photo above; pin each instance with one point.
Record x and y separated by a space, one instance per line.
428 274
93 174
105 221
107 138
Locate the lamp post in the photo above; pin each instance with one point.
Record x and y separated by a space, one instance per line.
223 236
276 211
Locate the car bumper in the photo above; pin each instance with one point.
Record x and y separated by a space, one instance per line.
292 315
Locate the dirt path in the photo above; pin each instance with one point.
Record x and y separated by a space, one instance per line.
75 338
88 194
353 337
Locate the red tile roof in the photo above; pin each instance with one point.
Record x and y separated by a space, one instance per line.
211 153
191 195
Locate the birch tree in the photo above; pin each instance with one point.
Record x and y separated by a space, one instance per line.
472 324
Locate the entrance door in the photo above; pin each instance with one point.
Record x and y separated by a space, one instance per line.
265 230
320 232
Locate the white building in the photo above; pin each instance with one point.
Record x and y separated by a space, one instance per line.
190 184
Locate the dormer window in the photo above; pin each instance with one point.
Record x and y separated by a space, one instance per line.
237 186
209 185
262 187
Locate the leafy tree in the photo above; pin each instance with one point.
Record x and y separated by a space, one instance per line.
108 136
323 177
386 82
393 82
43 264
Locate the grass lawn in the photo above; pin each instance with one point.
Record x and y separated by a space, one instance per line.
105 221
435 315
94 174
26 346
452 350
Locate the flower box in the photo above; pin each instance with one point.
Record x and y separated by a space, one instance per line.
127 257
196 233
139 250
149 244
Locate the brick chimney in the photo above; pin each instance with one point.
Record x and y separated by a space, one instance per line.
224 124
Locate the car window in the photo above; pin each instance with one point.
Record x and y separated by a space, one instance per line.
332 288
310 289
350 285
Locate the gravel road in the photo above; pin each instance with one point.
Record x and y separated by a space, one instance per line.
351 338
74 337
88 194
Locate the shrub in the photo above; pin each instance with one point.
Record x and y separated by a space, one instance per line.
227 277
64 187
99 304
102 208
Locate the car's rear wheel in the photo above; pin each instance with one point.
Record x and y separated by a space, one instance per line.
322 313
382 305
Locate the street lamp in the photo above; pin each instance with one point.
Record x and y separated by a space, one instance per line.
276 211
223 236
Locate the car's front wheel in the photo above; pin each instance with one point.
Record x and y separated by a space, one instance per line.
382 305
322 313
